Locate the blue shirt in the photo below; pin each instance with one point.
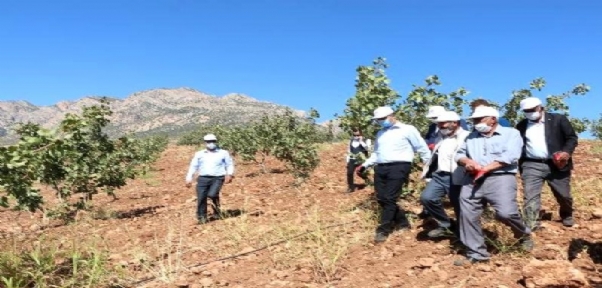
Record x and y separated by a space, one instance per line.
210 163
398 144
504 145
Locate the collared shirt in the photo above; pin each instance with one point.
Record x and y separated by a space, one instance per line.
504 145
535 135
398 144
447 148
210 163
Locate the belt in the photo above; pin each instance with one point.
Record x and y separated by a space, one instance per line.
502 173
536 160
393 163
208 176
444 173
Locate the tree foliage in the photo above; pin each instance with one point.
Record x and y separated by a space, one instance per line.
288 137
596 128
372 91
75 158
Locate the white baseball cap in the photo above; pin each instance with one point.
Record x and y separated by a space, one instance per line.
448 116
210 137
484 111
529 103
382 112
435 111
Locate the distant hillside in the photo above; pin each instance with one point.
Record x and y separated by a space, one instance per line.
172 111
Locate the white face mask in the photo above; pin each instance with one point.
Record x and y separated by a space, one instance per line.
210 146
482 128
533 116
445 131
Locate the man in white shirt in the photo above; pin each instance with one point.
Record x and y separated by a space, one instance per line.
357 146
550 140
214 167
393 155
444 169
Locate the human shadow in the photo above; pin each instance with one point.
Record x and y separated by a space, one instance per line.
138 212
233 213
594 250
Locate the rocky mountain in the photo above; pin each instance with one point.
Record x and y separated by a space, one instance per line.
173 111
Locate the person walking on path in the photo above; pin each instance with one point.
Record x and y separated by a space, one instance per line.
490 154
393 155
214 167
358 146
446 175
550 140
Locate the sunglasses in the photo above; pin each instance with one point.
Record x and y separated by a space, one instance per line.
211 141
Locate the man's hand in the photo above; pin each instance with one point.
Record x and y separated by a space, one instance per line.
360 169
228 179
431 146
472 166
563 156
188 184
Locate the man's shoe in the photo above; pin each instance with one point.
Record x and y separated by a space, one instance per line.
568 221
424 215
380 237
350 190
202 221
439 232
527 244
468 261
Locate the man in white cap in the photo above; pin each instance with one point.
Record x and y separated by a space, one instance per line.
550 140
490 154
214 167
433 131
393 155
446 175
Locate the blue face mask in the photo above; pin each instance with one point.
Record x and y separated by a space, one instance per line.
385 123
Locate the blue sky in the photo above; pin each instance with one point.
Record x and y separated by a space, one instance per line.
298 53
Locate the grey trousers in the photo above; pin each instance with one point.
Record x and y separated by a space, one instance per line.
500 192
533 175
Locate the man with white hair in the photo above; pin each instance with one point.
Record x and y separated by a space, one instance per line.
446 175
214 167
490 154
393 155
550 140
433 131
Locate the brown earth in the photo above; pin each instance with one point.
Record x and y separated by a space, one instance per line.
151 231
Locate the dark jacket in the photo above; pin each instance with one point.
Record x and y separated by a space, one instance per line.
560 136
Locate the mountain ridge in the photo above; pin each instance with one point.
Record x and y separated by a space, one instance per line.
161 110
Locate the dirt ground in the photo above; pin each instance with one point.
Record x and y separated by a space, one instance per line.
314 235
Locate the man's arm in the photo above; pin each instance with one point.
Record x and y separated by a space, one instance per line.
193 167
372 159
570 137
229 167
511 155
419 145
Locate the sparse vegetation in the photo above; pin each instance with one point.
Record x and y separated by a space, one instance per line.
274 233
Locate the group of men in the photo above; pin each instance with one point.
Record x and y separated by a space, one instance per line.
474 168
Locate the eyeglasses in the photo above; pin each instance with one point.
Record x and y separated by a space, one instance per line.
210 141
529 110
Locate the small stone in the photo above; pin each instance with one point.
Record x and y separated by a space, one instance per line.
484 268
206 282
206 273
597 214
426 262
34 227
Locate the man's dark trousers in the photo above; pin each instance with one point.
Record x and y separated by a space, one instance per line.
208 187
436 189
351 165
388 181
